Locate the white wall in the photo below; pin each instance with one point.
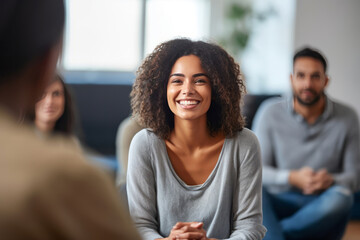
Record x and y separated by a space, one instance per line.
333 26
266 61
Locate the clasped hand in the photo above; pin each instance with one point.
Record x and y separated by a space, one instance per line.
188 231
310 181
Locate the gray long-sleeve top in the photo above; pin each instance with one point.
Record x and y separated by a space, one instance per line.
228 202
288 142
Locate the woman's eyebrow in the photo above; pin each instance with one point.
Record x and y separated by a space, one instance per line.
177 74
200 74
195 75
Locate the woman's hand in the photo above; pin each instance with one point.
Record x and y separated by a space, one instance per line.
188 231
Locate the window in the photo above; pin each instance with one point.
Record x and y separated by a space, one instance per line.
267 61
102 35
114 35
106 40
168 19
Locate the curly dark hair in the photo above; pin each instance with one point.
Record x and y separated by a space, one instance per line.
149 92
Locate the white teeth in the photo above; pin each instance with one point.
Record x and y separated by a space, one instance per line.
188 102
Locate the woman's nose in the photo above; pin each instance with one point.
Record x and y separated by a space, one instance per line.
48 99
188 88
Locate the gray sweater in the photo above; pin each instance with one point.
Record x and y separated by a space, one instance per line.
228 202
289 142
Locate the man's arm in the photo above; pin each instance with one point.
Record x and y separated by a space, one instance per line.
262 128
350 175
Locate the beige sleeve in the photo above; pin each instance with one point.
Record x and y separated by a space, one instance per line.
76 202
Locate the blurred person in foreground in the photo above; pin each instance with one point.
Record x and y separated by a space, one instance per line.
47 190
310 152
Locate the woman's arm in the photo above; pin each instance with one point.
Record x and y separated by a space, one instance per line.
141 188
247 203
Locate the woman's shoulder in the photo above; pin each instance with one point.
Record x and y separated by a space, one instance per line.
146 133
145 137
245 138
245 134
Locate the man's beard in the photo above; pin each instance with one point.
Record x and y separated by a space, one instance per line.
312 101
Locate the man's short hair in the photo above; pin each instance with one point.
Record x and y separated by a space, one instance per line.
27 30
312 53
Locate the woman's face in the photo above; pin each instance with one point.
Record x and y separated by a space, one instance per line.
188 89
51 106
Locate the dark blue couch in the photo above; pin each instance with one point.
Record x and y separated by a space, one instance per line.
100 109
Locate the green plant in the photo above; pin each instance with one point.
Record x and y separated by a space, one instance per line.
240 20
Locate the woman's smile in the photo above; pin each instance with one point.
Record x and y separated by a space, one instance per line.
188 104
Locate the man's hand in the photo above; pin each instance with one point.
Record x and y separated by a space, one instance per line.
302 178
310 181
322 180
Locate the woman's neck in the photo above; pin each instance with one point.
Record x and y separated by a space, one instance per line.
45 126
191 134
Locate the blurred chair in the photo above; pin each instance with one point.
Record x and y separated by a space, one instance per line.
251 105
126 131
355 212
101 107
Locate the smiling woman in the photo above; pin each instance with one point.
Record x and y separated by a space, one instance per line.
54 111
51 106
195 173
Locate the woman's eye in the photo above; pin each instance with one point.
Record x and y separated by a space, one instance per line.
56 93
200 81
176 81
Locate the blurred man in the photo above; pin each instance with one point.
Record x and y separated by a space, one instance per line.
310 151
47 190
